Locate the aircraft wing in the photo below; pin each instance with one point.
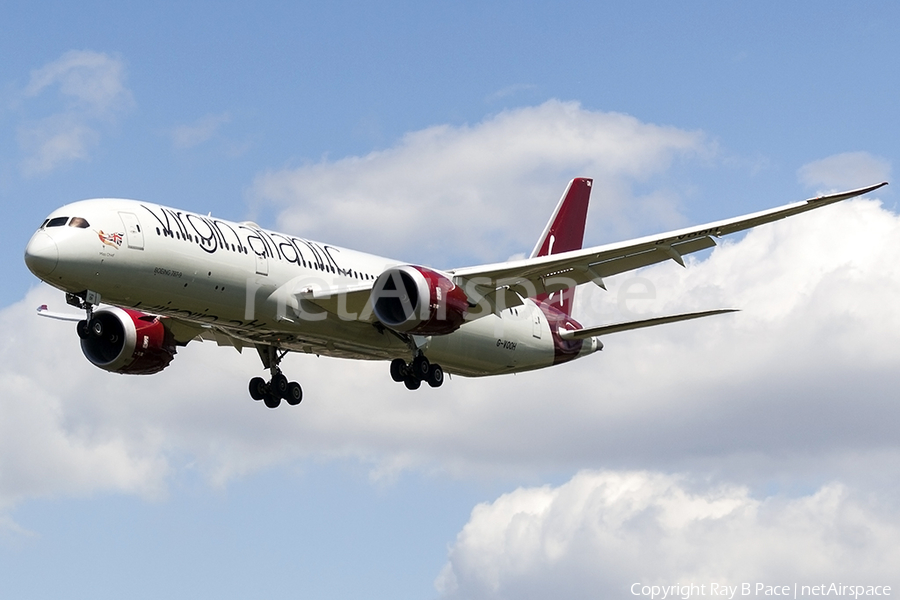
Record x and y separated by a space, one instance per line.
43 311
502 284
183 331
345 301
355 300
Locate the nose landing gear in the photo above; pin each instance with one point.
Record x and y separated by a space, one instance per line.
413 374
90 327
278 388
86 301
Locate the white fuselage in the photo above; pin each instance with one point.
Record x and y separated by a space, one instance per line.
244 282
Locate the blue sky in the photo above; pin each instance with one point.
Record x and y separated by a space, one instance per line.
443 134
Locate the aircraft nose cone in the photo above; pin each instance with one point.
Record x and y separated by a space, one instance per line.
41 254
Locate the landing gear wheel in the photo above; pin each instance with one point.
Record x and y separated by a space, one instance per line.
97 327
271 400
420 366
294 393
398 369
412 383
84 331
435 376
280 385
278 388
258 388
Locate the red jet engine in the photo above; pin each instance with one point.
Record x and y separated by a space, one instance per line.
418 300
121 340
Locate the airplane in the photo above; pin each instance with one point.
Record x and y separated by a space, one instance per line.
167 276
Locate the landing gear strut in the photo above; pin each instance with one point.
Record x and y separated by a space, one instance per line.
414 373
278 388
86 301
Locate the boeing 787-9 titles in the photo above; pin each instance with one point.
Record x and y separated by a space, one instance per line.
166 277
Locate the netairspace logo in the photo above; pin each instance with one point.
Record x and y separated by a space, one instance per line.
717 590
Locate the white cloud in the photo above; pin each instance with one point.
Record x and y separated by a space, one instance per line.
50 442
510 90
798 384
602 531
11 529
486 188
92 93
845 171
188 136
55 141
93 80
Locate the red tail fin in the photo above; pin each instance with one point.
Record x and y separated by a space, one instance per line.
563 233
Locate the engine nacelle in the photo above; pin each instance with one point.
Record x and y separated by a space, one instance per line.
121 340
418 300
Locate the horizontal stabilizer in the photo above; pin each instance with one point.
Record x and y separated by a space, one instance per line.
580 334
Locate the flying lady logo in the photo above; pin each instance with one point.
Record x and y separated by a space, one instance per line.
111 239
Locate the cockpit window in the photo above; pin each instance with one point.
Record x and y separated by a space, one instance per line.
79 222
57 222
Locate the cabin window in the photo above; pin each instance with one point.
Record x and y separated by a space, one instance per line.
57 222
79 222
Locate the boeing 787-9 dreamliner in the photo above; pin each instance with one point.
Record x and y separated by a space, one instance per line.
151 278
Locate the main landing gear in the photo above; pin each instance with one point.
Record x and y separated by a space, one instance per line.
414 373
278 388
